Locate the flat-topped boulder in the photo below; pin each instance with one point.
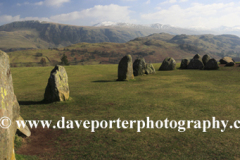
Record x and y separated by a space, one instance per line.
57 88
139 66
168 64
229 64
9 110
125 68
184 64
226 60
212 64
205 59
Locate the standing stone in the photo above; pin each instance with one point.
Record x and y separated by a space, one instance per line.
196 63
197 56
9 107
168 64
184 64
125 68
205 59
57 88
139 66
25 132
211 64
226 60
149 69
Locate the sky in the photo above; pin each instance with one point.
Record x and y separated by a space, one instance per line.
179 13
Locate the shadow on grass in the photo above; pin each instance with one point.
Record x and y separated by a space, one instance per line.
104 81
32 102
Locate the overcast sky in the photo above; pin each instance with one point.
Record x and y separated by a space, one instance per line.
181 13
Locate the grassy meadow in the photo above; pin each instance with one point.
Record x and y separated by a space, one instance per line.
96 95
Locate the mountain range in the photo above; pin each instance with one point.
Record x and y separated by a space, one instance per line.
154 48
40 35
107 39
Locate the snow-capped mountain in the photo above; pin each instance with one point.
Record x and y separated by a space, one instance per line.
130 25
175 30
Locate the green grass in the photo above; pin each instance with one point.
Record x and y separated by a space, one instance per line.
176 95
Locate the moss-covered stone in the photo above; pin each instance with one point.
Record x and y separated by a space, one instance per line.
196 63
211 65
149 69
57 88
125 68
168 64
205 59
197 56
184 64
9 107
139 66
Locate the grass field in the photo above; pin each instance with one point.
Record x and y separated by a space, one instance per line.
96 95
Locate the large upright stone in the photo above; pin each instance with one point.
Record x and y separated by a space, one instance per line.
211 65
9 107
125 68
197 56
168 64
196 63
57 88
139 66
184 64
205 59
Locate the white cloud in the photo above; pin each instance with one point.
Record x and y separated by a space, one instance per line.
55 3
169 1
210 15
183 0
129 0
39 3
21 4
97 14
8 18
148 1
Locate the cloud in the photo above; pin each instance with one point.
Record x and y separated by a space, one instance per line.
9 18
97 14
210 15
183 0
56 3
169 1
129 0
21 4
148 1
39 3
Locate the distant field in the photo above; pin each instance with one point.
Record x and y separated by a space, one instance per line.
96 95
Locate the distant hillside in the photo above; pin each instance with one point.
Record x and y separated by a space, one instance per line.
36 34
154 48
